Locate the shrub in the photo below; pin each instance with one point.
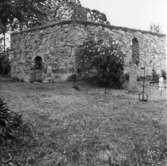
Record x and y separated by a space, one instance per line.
146 78
155 76
16 137
16 79
163 73
103 62
9 123
4 64
73 78
126 77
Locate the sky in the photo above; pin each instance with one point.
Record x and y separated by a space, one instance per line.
138 14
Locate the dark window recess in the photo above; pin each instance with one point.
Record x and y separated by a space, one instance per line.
135 51
38 63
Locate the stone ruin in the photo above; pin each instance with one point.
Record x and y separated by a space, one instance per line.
48 53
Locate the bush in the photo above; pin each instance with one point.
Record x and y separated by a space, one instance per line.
126 77
103 62
155 76
16 137
146 78
4 64
73 77
163 73
9 123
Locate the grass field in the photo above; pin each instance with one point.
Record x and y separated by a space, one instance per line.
77 126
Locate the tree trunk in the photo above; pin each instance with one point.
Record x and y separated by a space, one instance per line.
4 34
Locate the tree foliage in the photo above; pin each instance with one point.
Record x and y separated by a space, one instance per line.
73 10
155 28
163 74
97 16
20 13
155 76
9 123
103 61
15 137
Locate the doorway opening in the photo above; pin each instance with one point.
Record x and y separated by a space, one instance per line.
38 65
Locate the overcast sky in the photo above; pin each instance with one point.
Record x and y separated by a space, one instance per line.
137 14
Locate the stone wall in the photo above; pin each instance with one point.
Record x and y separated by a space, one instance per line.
57 43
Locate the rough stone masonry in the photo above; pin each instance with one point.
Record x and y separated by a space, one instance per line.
48 53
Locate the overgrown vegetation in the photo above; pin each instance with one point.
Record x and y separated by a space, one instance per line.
20 13
83 128
78 139
125 140
9 122
155 76
4 64
155 28
102 62
15 136
23 14
163 73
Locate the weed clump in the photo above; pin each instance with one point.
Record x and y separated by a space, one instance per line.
9 123
15 135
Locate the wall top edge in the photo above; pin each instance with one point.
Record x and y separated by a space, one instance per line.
86 23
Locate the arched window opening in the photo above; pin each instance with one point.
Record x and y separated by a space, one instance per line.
135 51
38 63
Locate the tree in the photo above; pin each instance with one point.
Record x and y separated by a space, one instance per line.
97 16
73 10
66 10
9 123
155 28
20 13
1 44
105 61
